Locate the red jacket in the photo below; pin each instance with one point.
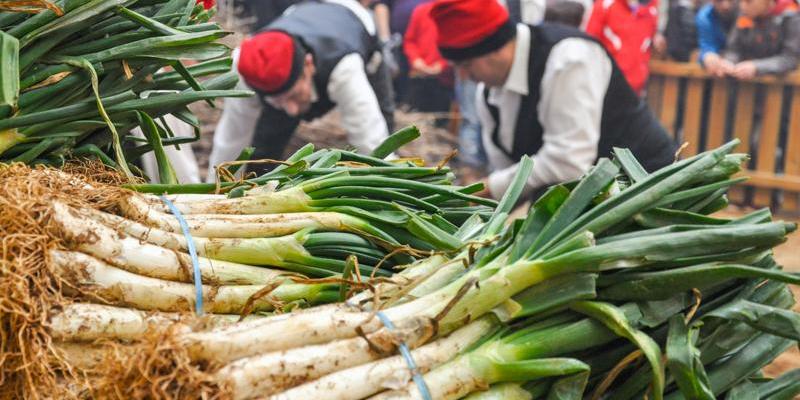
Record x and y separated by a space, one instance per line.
419 42
626 30
783 6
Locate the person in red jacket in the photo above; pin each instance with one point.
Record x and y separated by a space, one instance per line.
420 43
626 29
431 78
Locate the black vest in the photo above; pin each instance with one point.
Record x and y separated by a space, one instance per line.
329 32
514 8
626 119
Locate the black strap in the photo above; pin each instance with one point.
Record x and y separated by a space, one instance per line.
495 113
514 10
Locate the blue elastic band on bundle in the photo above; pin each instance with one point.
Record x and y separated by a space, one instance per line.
198 278
406 353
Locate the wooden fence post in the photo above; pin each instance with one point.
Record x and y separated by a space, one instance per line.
791 200
718 113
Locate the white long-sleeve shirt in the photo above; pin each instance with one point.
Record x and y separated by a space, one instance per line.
576 78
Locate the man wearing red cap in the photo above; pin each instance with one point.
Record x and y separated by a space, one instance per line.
317 56
548 91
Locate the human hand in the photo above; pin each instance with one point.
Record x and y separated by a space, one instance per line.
485 192
435 69
660 44
745 70
420 67
724 68
716 65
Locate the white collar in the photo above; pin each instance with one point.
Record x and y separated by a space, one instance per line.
517 80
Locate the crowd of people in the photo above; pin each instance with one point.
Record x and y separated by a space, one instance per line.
559 80
740 39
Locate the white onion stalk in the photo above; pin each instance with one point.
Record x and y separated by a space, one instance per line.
208 345
325 324
277 371
307 328
256 251
132 255
86 322
121 287
83 322
266 188
182 198
288 200
265 225
286 252
243 226
389 373
497 285
312 327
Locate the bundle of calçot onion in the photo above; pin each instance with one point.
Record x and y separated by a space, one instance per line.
78 75
617 267
91 261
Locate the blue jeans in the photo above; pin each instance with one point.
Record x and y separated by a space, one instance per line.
470 146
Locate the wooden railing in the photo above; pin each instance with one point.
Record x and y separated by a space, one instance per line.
763 113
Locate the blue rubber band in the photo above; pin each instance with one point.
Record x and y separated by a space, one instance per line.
406 353
198 278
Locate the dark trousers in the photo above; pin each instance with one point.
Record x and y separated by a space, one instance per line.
401 80
430 95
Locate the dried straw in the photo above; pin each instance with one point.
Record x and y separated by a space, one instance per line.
30 365
156 367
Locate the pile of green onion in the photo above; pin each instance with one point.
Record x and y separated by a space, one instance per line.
619 285
307 233
78 76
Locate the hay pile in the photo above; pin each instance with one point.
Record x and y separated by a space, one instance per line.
32 365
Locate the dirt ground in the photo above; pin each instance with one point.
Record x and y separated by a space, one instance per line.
788 254
790 359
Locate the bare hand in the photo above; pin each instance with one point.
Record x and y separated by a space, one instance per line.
725 68
745 70
716 65
436 69
660 44
420 68
485 192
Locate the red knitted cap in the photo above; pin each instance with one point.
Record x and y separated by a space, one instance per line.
471 28
270 61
